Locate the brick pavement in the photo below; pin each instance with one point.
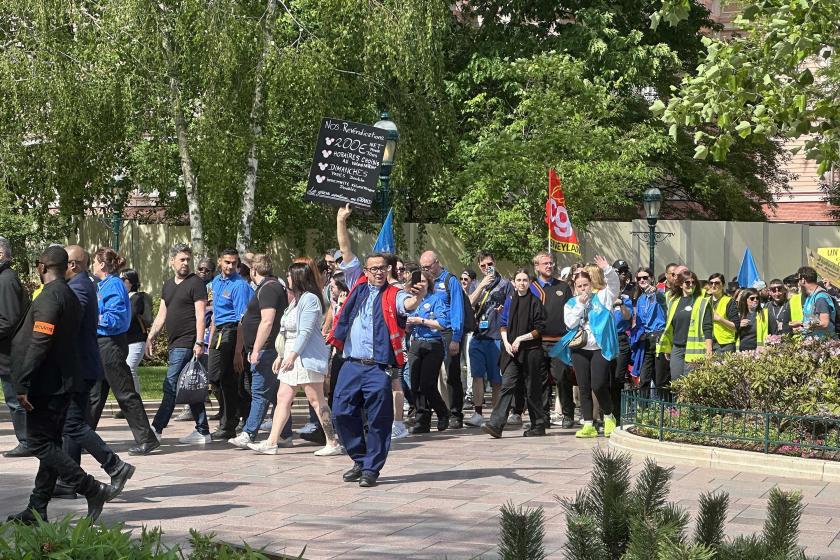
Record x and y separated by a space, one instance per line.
437 498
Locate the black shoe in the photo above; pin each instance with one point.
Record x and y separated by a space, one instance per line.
217 416
420 430
353 474
96 499
367 480
489 428
119 477
222 435
568 422
27 517
144 448
19 451
64 492
318 436
119 415
443 423
535 432
456 422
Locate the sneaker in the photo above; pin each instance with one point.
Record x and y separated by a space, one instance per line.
588 431
307 428
468 403
568 422
264 448
476 420
406 407
241 441
330 450
609 425
195 437
514 419
185 415
266 426
399 431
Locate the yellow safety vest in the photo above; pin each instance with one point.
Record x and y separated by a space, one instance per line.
796 308
723 334
762 330
695 344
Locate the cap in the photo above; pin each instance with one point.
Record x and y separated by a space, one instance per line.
621 265
564 274
54 255
338 256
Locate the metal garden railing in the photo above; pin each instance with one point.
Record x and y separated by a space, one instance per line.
655 413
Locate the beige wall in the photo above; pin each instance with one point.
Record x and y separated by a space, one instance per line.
705 247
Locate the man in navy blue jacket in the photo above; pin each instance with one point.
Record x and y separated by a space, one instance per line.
78 433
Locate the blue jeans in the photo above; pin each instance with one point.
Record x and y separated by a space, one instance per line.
178 358
264 392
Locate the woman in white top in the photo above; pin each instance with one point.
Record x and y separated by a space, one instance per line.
302 357
591 311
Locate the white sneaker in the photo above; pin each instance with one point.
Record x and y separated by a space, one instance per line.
476 420
241 441
514 419
266 426
307 428
398 430
185 415
406 406
330 450
195 437
264 448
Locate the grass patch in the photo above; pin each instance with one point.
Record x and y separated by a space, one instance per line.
151 383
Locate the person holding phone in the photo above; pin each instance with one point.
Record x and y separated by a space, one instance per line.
425 355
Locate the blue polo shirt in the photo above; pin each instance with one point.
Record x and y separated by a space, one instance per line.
114 307
432 308
230 298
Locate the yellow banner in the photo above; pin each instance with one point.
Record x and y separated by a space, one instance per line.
830 253
825 267
565 247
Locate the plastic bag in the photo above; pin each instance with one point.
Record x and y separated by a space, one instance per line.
192 384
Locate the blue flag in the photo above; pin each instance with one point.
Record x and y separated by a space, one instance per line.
385 241
748 273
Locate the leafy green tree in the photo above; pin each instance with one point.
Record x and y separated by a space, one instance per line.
779 76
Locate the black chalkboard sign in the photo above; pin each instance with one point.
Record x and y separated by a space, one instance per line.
346 164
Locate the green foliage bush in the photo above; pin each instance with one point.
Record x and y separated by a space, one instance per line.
69 539
793 376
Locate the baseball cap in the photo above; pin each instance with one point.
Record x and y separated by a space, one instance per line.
621 265
54 255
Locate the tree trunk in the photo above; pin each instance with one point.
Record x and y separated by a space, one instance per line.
190 180
243 238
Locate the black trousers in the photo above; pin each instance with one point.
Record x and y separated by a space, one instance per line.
622 363
44 429
594 373
654 368
220 370
335 367
78 433
114 350
453 377
424 360
562 379
523 373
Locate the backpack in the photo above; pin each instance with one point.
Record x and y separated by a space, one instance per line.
835 306
468 312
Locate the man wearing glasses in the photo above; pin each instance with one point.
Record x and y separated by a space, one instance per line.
724 315
369 332
449 290
778 309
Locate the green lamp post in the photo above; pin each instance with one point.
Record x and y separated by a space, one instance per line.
392 136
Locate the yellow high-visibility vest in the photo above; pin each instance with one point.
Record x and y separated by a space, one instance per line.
695 344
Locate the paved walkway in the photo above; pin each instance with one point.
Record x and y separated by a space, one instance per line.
438 496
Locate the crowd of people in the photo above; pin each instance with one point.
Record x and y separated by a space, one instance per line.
379 346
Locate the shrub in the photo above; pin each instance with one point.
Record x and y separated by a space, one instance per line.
523 532
792 376
609 520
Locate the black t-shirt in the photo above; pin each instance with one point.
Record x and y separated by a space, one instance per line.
270 295
136 332
180 310
748 335
778 318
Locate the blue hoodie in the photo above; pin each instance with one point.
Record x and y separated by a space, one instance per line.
114 307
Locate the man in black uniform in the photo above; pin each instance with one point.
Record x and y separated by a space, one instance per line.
11 309
46 371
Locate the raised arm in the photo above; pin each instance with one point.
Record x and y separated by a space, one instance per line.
343 233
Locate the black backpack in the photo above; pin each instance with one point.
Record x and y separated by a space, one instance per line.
468 312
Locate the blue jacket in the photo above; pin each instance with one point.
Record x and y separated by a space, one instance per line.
114 307
383 351
450 291
89 356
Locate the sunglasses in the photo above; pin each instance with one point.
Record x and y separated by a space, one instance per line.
203 269
715 283
400 269
776 289
465 279
640 278
752 298
688 282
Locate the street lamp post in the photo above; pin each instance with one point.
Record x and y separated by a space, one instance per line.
652 199
392 136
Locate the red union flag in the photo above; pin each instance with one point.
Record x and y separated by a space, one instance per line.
561 236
